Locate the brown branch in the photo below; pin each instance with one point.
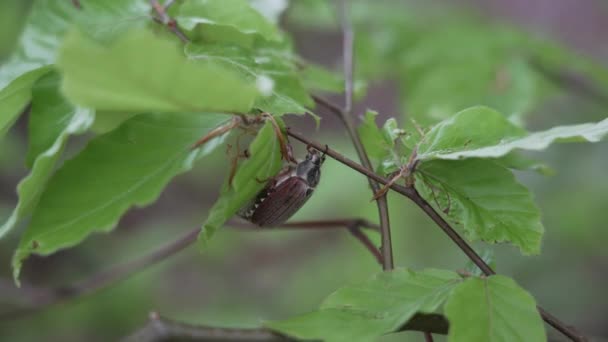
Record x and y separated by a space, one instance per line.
43 298
359 222
353 225
412 194
160 329
346 117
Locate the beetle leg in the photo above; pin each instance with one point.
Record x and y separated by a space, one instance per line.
234 163
286 150
234 122
324 153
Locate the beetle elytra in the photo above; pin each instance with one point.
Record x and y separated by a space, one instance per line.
285 193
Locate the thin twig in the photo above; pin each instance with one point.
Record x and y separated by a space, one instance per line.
44 298
365 240
346 116
412 194
316 224
353 225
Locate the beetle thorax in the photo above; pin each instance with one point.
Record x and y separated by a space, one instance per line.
310 169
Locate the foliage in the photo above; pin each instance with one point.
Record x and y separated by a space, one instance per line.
107 69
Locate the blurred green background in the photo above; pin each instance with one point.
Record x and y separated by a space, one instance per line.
248 277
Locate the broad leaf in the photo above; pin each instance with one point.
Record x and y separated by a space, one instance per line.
235 14
273 72
264 163
16 96
469 129
52 121
366 311
518 161
141 72
46 25
493 309
589 132
381 143
49 117
371 135
127 167
485 198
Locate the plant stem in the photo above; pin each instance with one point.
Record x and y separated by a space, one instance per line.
345 115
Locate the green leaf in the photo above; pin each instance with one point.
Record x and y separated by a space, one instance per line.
128 167
371 135
16 96
273 72
50 20
384 145
49 116
106 121
141 72
264 163
46 25
469 129
52 121
485 198
587 132
236 14
493 309
366 311
518 161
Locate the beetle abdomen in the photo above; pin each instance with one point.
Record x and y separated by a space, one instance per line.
279 204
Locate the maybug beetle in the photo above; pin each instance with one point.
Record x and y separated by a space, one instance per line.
285 193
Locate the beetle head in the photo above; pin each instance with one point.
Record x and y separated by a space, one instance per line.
310 168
